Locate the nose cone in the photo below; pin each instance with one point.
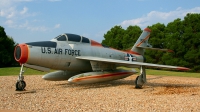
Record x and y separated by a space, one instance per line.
21 53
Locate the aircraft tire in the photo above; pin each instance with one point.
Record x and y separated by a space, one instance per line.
136 84
20 85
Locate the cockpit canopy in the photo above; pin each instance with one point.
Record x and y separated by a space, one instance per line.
72 38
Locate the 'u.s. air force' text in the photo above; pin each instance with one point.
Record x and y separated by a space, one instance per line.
48 50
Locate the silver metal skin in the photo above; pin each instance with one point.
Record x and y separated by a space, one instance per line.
59 75
64 61
74 55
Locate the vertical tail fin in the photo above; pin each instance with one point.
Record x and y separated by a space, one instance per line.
142 42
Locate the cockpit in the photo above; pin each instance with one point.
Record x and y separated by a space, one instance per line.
71 38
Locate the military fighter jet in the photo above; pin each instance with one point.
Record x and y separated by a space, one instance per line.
81 60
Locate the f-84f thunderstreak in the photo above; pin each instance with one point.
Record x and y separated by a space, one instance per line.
81 60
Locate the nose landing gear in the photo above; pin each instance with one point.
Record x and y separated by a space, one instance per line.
21 84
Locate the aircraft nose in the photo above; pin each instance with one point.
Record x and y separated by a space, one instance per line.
21 53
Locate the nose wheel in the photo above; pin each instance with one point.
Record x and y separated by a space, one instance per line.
21 84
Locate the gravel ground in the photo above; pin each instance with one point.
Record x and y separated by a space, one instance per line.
177 94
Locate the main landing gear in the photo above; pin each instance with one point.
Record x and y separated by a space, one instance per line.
21 84
141 79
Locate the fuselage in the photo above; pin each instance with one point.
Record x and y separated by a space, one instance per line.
60 53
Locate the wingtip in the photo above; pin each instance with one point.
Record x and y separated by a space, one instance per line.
171 51
147 29
183 69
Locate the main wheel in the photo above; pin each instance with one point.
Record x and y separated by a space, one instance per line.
20 85
136 84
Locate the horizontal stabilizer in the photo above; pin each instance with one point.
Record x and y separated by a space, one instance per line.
39 68
150 48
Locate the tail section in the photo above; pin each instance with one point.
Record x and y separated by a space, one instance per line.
142 42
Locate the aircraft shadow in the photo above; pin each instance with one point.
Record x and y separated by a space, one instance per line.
171 85
122 82
175 85
114 83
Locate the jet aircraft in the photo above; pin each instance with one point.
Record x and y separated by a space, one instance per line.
81 60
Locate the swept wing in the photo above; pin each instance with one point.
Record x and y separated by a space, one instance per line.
131 64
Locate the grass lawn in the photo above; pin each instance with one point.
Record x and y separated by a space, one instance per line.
172 73
15 71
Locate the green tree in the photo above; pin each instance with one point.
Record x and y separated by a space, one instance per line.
191 38
174 41
6 49
131 35
114 37
181 36
157 40
122 39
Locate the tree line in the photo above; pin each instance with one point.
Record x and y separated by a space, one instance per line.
7 46
181 36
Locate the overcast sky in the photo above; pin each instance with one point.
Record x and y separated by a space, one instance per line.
42 20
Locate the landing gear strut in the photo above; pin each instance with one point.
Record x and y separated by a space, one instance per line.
141 79
21 84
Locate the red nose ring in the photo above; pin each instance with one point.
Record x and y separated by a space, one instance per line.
21 53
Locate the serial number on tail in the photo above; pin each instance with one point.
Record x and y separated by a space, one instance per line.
72 52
